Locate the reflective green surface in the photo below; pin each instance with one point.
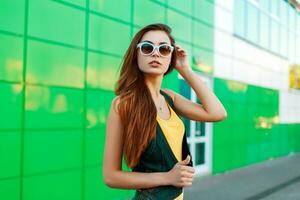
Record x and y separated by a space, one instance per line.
56 22
10 155
251 133
177 21
119 10
56 185
11 106
51 107
12 15
102 71
154 12
62 150
11 58
53 64
108 36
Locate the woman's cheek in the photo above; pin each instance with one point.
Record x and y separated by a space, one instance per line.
167 64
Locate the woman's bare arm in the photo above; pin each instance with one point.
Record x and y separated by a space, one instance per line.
112 164
210 110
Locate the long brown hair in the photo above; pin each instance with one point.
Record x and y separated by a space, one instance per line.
136 107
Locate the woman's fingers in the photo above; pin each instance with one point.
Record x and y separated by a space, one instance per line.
181 52
186 182
185 179
187 168
187 175
179 48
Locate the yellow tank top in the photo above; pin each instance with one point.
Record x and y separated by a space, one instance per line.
173 129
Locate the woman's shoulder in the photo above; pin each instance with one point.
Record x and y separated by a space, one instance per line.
115 103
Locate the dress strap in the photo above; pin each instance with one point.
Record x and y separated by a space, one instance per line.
169 100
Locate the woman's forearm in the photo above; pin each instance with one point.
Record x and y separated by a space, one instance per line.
208 99
136 180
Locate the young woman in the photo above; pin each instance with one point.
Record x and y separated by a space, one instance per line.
144 124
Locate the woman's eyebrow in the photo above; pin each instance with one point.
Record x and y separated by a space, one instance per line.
153 43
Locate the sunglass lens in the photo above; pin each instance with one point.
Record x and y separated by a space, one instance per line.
165 50
147 48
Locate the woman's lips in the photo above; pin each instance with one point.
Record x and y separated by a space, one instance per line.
154 64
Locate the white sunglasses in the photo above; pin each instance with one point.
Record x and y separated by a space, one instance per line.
147 48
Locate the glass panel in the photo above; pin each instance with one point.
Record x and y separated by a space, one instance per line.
298 23
292 18
203 35
54 65
283 41
264 30
265 5
200 129
97 110
177 21
202 60
274 36
11 58
10 143
100 64
275 7
203 129
55 21
114 38
12 15
95 140
298 50
144 16
183 6
204 10
239 18
61 185
120 10
252 23
52 150
48 107
76 2
187 126
200 126
185 91
10 106
10 188
283 12
200 153
292 46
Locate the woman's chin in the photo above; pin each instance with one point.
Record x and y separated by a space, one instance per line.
154 73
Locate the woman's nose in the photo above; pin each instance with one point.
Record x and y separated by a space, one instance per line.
155 52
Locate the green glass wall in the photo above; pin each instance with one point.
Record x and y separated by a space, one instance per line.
252 132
